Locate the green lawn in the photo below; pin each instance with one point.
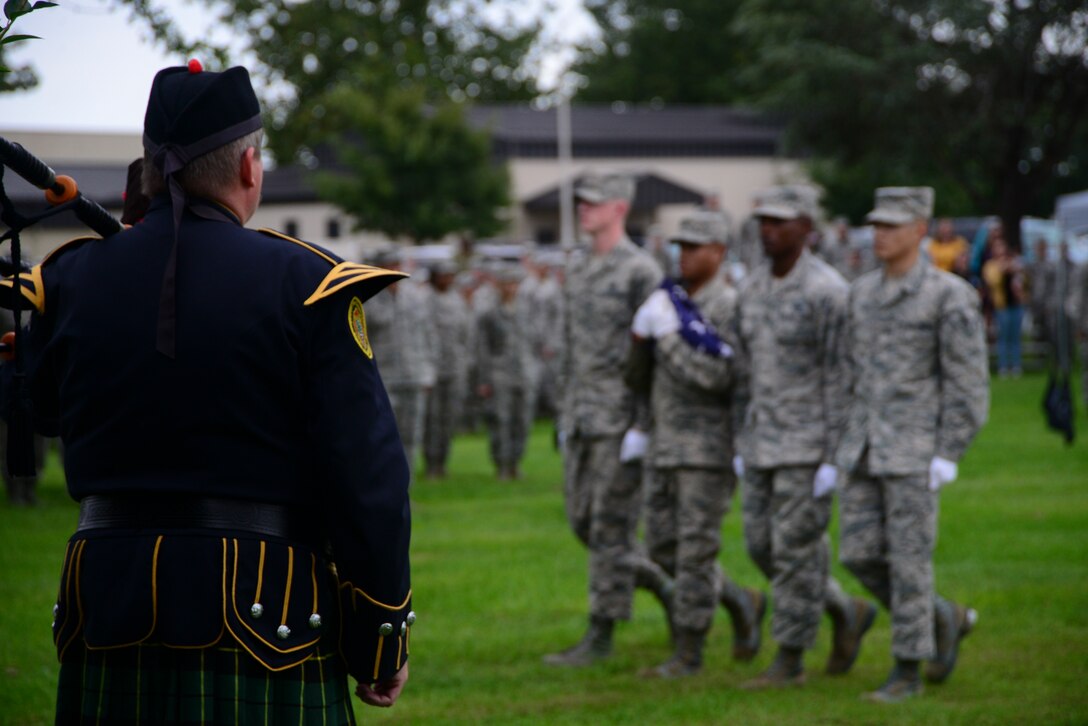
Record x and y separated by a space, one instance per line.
499 581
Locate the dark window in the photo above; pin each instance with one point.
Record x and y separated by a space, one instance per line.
290 228
545 235
333 228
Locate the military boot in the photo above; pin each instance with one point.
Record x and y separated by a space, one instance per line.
903 683
787 670
847 631
595 645
746 613
953 623
687 658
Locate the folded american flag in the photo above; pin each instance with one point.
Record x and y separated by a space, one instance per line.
695 331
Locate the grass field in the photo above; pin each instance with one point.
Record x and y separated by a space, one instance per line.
499 581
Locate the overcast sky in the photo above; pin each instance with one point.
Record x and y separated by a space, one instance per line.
95 67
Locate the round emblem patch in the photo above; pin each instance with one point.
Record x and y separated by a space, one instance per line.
357 323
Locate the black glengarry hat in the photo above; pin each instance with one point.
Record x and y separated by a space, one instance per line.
192 112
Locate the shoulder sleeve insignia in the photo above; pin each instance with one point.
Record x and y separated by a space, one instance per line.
30 285
357 324
372 280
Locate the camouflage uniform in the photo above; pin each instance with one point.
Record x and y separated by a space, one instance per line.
504 362
791 400
603 495
403 338
689 480
452 321
749 247
918 390
1078 309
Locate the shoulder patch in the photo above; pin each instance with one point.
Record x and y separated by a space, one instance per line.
31 287
372 279
357 325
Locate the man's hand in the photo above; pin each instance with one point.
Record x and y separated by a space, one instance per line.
383 694
824 482
941 472
634 445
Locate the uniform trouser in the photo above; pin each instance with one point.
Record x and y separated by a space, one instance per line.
888 529
508 420
443 408
684 512
409 408
603 500
784 528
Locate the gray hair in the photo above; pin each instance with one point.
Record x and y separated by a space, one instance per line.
207 176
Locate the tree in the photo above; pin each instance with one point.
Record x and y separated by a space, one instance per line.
406 169
984 99
653 51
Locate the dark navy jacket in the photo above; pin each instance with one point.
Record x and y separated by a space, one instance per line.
273 396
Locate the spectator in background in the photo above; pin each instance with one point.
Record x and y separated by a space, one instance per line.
946 246
1003 274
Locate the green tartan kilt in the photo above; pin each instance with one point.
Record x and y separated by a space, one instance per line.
154 684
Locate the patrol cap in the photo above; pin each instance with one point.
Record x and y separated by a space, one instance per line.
384 256
788 201
900 205
508 273
703 227
597 187
444 267
192 111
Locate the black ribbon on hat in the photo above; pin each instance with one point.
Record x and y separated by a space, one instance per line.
169 159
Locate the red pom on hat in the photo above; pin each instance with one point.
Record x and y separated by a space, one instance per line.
194 66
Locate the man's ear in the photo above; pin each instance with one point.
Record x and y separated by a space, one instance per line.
247 171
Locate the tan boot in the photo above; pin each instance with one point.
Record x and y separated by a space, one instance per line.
847 631
953 624
687 659
595 645
747 617
786 671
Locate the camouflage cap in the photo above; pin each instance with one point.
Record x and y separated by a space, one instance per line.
384 256
508 272
788 201
900 205
597 187
704 227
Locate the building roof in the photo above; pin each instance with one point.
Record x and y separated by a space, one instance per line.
651 191
621 131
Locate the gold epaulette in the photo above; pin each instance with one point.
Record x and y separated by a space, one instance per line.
353 273
30 283
343 274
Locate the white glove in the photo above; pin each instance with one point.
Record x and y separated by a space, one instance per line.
656 317
738 466
826 478
634 446
941 472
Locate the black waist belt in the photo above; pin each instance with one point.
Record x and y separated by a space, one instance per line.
170 511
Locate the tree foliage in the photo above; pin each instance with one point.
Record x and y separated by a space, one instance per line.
406 169
672 51
20 77
984 99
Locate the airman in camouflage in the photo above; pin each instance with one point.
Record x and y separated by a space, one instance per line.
504 364
452 322
548 309
918 395
790 408
689 481
403 339
603 493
